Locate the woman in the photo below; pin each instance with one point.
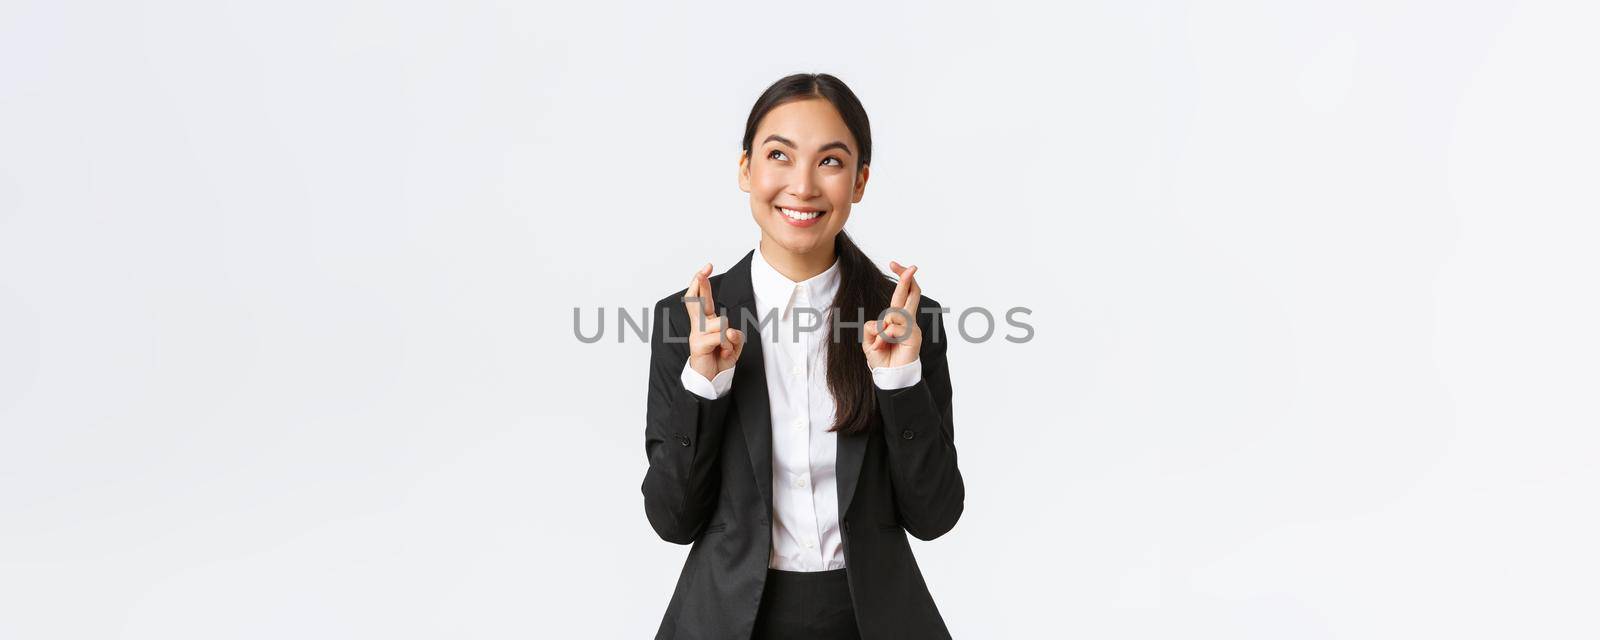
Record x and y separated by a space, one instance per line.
803 428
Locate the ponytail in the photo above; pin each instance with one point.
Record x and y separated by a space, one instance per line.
863 294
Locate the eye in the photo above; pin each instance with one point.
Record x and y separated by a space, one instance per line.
777 152
837 162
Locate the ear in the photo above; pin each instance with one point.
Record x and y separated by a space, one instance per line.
744 172
861 183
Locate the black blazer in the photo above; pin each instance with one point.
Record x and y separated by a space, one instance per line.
710 482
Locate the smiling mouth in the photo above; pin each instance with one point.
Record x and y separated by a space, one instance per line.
801 216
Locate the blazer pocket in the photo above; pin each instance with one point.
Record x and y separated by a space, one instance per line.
888 525
716 527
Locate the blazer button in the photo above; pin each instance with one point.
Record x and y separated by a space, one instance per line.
683 440
908 434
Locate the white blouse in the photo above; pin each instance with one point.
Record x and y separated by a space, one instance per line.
805 498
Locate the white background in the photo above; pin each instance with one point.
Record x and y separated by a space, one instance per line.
286 293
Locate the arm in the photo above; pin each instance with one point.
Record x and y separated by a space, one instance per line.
683 435
920 438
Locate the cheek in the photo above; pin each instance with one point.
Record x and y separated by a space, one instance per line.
839 188
764 184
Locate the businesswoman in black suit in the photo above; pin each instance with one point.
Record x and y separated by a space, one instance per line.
798 423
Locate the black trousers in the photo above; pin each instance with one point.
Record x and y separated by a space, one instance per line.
808 605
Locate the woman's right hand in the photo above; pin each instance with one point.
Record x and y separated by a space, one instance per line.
711 349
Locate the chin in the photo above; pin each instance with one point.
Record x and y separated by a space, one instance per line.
793 245
804 241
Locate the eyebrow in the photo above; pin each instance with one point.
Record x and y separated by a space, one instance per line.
831 145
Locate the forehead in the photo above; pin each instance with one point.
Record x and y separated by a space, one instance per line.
807 121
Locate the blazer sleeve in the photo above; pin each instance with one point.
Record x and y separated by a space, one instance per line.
920 438
682 436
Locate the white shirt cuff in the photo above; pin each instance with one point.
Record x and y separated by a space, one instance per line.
891 378
708 389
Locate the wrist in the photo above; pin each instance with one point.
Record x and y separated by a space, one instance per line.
705 366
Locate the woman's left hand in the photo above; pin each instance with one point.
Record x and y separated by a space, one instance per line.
897 340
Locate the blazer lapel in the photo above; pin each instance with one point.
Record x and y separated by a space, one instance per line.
750 383
851 450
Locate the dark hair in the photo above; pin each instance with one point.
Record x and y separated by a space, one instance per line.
864 290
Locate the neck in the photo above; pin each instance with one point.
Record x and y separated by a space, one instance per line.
797 267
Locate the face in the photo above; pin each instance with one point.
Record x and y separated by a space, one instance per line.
801 175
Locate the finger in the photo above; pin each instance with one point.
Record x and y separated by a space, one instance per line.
869 335
694 307
712 324
896 267
705 290
902 288
913 298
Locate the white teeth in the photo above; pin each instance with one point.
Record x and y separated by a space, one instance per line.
797 215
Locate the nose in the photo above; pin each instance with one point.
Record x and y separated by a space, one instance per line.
803 185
